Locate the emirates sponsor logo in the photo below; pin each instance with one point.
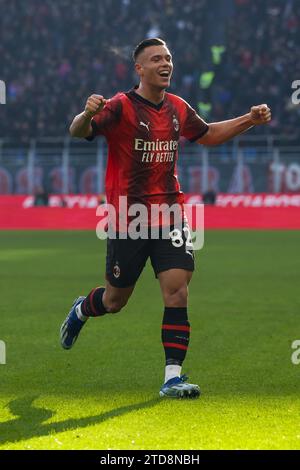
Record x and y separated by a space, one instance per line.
155 145
156 151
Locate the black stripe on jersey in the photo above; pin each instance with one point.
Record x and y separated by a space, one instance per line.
171 181
199 135
140 181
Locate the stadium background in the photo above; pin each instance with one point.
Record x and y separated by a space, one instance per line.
55 54
228 55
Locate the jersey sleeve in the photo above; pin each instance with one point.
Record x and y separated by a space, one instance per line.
194 127
107 120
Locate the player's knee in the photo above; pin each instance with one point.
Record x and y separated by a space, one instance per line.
115 305
114 309
176 297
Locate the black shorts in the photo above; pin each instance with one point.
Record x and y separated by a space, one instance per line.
126 258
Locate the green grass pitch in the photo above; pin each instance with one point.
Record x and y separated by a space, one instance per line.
244 310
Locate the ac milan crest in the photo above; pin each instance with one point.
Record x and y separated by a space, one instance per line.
116 271
175 123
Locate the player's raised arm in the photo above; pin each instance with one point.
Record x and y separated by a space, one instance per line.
220 132
81 125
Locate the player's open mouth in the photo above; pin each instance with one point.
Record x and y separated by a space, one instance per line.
164 74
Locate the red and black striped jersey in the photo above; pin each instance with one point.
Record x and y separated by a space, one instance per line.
143 140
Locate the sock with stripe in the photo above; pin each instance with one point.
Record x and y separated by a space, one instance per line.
175 339
92 305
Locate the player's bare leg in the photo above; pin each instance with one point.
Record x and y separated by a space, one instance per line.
176 332
174 287
115 298
98 302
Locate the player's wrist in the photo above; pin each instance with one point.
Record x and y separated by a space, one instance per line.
250 120
87 114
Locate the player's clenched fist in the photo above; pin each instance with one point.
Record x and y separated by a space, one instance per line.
94 105
260 114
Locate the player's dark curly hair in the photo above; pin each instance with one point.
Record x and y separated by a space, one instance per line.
147 43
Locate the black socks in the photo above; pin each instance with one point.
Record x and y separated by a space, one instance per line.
175 334
92 305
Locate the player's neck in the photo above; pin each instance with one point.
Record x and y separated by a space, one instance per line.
153 95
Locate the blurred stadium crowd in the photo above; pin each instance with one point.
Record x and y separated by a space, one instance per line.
55 54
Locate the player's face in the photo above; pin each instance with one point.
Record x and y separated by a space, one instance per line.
154 66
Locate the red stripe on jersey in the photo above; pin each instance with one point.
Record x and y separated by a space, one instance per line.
176 346
176 327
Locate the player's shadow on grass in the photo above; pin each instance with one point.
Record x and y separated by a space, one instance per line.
30 420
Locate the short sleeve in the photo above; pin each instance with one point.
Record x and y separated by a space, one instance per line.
194 126
108 119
